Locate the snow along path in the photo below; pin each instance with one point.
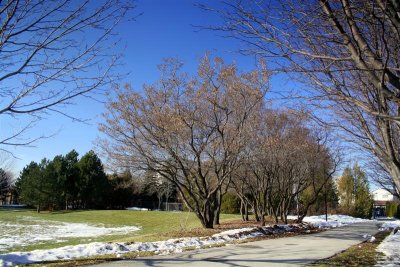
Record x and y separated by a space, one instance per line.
163 247
287 251
333 220
30 230
390 246
160 247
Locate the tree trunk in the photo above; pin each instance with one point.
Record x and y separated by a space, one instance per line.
284 217
394 171
326 205
242 209
255 211
208 224
208 221
218 200
166 203
262 221
216 216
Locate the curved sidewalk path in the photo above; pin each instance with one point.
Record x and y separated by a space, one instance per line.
288 251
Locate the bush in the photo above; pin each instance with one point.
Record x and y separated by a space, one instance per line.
230 204
398 212
391 209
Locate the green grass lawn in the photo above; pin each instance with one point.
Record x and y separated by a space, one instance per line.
155 225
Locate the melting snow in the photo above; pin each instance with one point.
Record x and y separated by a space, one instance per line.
160 247
390 225
333 220
390 246
136 208
29 230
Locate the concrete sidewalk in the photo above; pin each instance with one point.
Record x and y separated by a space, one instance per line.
289 251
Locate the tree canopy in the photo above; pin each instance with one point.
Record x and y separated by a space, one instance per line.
189 130
206 132
353 188
345 51
64 182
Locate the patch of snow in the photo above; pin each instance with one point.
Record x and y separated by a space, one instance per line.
136 208
235 231
333 220
370 238
29 230
390 247
159 247
390 225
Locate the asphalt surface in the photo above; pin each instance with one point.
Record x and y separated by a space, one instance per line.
289 251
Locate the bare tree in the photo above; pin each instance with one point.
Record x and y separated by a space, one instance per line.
283 158
188 130
321 162
52 52
156 184
348 51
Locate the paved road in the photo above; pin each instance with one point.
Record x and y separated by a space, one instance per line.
289 251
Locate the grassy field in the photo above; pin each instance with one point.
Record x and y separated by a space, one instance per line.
155 225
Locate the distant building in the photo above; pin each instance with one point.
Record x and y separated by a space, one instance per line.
381 197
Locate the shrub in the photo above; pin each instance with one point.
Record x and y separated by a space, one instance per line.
230 204
391 209
398 212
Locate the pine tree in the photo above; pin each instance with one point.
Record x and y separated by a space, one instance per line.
355 198
94 187
363 200
5 184
38 185
346 191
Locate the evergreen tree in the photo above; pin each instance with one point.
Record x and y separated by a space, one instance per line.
65 182
94 187
346 191
68 176
38 185
355 198
363 199
124 189
5 184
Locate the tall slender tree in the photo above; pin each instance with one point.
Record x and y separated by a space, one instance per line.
355 198
5 184
93 186
346 188
363 199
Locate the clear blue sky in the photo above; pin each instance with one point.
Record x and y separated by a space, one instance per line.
165 29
